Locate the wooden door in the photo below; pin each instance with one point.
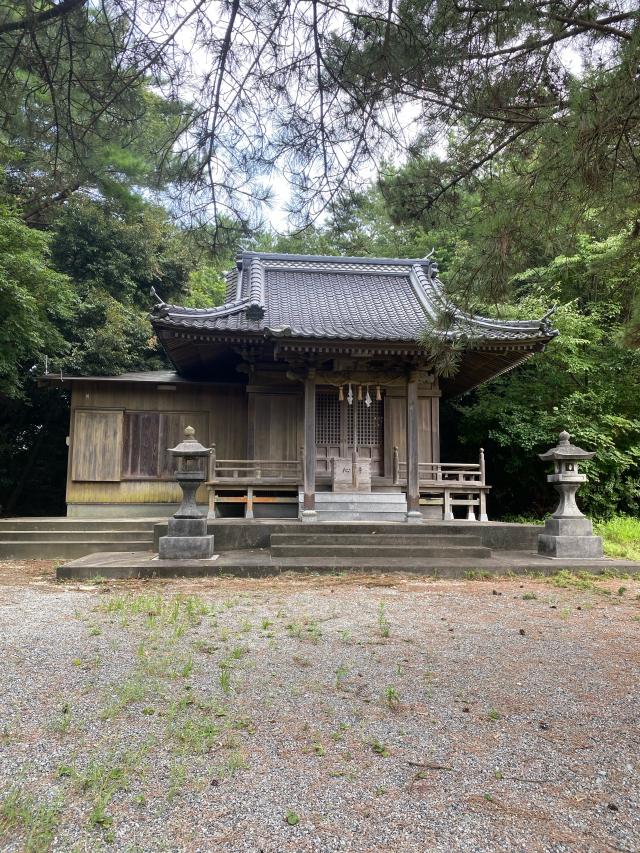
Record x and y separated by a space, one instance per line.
341 427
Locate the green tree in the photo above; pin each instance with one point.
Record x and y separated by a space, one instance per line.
35 301
113 260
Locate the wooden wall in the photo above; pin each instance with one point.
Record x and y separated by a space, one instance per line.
395 425
275 423
98 471
111 421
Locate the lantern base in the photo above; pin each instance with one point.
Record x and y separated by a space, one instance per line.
187 526
568 526
185 547
569 538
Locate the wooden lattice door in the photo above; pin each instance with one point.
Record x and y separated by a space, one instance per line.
340 427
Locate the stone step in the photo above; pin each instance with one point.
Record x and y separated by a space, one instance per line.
360 497
130 534
428 528
375 540
54 549
373 517
349 509
87 524
359 552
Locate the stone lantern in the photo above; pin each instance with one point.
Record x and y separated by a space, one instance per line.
568 533
187 529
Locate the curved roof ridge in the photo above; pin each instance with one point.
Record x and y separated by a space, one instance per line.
217 311
331 259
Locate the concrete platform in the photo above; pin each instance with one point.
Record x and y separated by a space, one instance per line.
260 563
236 534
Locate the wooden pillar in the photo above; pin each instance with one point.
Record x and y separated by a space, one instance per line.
309 462
413 475
212 489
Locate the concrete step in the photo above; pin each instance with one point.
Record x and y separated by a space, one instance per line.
88 524
130 534
375 540
54 549
359 552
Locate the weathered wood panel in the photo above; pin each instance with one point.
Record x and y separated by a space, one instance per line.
97 448
395 414
277 427
217 412
149 435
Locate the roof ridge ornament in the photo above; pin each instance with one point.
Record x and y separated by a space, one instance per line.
160 307
545 325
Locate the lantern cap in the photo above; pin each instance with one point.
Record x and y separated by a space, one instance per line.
565 451
189 446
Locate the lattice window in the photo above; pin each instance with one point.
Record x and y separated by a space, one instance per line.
369 423
327 418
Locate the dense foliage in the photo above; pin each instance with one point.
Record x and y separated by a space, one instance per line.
125 166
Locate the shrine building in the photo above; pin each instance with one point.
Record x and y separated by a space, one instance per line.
313 390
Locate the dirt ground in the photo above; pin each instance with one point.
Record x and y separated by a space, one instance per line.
333 713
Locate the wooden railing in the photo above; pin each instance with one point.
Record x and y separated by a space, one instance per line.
442 472
289 470
450 484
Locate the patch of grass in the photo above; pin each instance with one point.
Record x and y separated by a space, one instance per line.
340 732
494 715
235 762
307 629
134 689
341 673
224 678
529 596
104 777
379 748
621 536
63 723
584 580
177 776
238 652
318 747
178 612
292 818
38 821
187 668
195 735
384 625
392 698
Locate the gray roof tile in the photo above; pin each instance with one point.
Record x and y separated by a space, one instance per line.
341 298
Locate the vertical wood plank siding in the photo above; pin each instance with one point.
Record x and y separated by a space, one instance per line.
98 415
97 447
120 432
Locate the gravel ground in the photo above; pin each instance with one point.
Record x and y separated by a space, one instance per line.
345 713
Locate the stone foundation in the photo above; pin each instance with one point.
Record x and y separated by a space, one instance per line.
569 537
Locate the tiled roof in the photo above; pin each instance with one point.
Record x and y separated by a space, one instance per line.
377 299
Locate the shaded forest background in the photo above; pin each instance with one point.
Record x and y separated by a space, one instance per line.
522 173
